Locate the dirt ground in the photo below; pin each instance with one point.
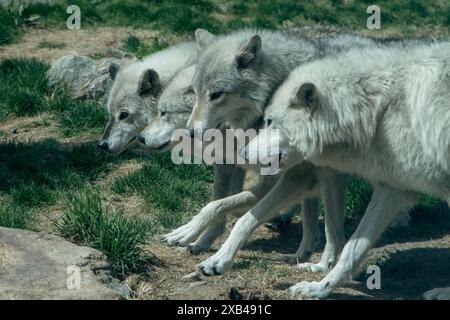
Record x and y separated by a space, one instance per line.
408 268
49 45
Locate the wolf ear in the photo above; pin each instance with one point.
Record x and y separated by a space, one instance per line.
113 70
203 38
307 96
149 83
251 53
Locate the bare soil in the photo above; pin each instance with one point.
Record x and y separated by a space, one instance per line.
93 42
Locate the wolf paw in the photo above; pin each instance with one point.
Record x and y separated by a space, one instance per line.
437 294
181 236
309 290
216 265
195 249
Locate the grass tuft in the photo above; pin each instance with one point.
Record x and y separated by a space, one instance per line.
88 222
9 29
13 215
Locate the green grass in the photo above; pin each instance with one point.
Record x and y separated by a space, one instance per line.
140 49
24 92
183 17
13 215
88 222
172 192
80 117
430 218
358 197
35 173
9 25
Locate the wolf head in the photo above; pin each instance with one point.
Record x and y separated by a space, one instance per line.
318 110
131 105
227 80
291 107
174 108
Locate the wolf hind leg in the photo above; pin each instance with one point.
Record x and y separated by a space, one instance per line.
333 190
310 234
207 238
384 205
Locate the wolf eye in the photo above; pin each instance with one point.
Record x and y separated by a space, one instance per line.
123 115
163 113
215 95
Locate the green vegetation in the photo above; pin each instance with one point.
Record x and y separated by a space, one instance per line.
140 49
10 25
172 192
36 175
24 91
183 17
88 222
13 215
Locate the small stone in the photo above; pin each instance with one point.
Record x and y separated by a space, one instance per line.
13 130
194 276
197 284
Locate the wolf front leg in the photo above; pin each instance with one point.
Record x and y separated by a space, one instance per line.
285 192
333 190
228 180
213 216
386 202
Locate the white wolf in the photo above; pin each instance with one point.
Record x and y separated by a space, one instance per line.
235 78
380 114
137 86
174 108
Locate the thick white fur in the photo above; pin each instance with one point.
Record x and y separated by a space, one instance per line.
380 114
124 97
299 182
174 106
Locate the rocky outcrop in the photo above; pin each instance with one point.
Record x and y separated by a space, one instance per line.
85 77
41 266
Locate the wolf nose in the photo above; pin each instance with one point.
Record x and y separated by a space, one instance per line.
141 139
103 145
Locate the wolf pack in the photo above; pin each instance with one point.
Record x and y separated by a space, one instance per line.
344 105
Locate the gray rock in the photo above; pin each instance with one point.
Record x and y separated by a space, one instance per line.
85 77
39 266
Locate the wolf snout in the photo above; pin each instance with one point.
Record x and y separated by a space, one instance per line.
103 145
